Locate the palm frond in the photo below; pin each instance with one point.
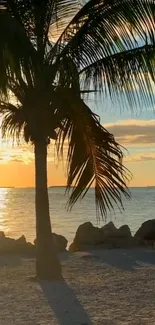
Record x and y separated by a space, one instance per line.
94 157
102 28
41 18
17 89
60 20
17 55
13 121
127 75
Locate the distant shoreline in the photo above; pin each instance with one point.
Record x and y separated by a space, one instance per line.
64 186
7 187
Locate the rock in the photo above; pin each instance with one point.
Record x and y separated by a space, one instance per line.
30 248
146 233
73 248
109 231
149 243
117 238
59 241
21 240
16 246
83 233
121 242
7 245
89 237
124 231
2 235
87 234
24 247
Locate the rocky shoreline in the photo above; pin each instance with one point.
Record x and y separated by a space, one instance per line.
87 237
21 246
110 237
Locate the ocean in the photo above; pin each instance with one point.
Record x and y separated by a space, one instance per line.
17 211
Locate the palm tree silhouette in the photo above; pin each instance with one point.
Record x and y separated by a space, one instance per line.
52 53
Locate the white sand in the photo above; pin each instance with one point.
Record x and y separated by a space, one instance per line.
112 287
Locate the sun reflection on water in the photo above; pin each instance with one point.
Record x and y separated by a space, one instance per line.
3 208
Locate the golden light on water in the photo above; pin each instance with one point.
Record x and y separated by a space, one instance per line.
3 207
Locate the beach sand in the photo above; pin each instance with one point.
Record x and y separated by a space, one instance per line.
102 287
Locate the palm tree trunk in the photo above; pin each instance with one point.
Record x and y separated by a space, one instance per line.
47 263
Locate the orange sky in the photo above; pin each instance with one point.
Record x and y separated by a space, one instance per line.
21 175
17 164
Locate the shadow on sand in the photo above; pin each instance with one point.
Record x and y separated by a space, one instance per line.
64 303
127 259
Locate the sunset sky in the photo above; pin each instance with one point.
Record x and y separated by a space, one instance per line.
135 131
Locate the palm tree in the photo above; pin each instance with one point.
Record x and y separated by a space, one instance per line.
52 53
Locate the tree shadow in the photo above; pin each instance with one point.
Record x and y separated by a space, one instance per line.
64 303
126 259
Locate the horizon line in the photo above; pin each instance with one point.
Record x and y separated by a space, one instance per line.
51 186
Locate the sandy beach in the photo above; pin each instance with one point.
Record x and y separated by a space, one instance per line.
109 287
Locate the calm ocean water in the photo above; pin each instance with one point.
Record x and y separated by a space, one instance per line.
17 212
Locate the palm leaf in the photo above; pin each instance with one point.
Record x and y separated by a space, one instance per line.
13 121
127 75
40 18
59 19
102 33
17 55
102 28
94 157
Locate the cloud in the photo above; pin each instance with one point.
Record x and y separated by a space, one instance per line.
129 133
15 155
23 154
17 160
133 132
141 157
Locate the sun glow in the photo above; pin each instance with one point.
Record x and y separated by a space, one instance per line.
3 206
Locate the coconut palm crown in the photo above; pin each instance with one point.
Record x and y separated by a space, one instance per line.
54 53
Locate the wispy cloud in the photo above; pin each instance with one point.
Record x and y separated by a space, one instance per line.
133 132
141 157
15 154
136 135
23 154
